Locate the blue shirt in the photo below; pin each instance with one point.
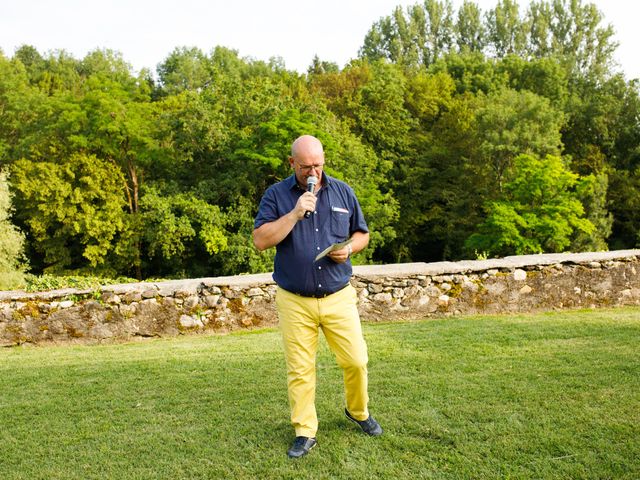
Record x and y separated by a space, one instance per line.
338 215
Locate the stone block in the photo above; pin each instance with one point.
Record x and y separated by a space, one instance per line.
519 275
470 286
149 293
111 298
187 321
211 300
397 293
191 301
131 297
383 298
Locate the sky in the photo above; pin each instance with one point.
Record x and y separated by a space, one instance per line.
145 32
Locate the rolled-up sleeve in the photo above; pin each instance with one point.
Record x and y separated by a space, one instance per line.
268 209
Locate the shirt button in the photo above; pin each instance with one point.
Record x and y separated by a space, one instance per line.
317 248
316 229
319 268
319 285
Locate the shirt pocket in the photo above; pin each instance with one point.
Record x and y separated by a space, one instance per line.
340 219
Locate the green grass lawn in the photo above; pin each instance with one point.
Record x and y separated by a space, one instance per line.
530 396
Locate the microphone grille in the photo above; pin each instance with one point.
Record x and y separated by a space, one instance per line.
312 180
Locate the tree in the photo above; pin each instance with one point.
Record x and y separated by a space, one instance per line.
540 210
624 194
184 69
539 19
240 255
624 201
108 63
470 32
381 117
471 71
451 187
19 103
439 30
511 123
72 213
12 260
543 76
319 67
426 127
586 47
415 40
506 30
118 124
594 200
180 234
61 74
33 62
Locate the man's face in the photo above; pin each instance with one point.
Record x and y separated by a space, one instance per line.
307 164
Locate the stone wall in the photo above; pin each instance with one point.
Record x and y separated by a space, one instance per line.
386 292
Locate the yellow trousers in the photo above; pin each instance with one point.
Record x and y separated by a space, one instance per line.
301 318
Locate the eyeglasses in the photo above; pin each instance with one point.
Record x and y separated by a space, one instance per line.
308 168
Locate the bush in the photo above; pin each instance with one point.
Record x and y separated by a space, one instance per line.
41 283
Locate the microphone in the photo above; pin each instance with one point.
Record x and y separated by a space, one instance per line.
311 186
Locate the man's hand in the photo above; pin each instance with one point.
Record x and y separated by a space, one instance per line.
271 234
340 256
306 203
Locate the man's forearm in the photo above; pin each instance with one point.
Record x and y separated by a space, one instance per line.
270 234
360 241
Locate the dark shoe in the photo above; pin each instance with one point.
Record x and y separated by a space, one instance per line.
368 426
301 446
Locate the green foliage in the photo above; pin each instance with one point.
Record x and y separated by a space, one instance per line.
543 76
625 199
470 32
429 96
506 31
178 230
539 212
72 212
425 33
184 69
471 71
18 106
12 261
240 255
381 115
115 174
264 154
511 123
41 283
594 199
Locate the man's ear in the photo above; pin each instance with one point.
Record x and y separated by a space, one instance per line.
291 161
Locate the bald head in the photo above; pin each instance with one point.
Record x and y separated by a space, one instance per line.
307 159
306 146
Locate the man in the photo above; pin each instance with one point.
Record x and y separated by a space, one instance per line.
315 295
